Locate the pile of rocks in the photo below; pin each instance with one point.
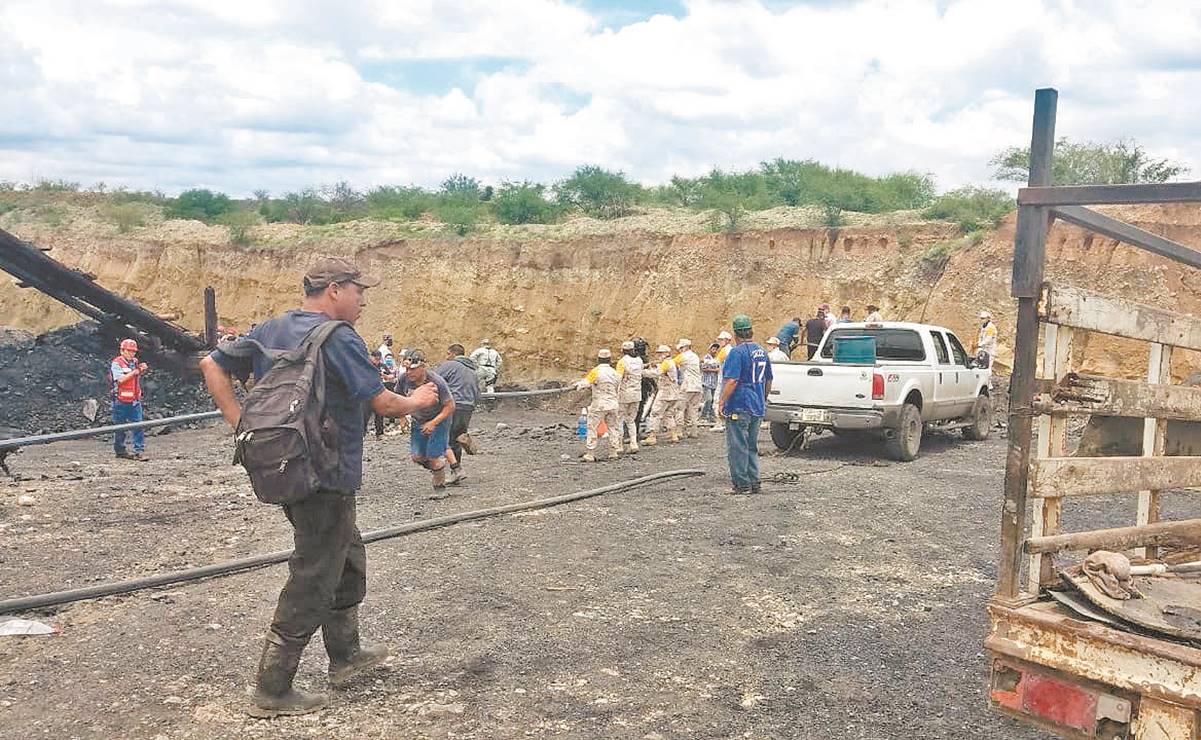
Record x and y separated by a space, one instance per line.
47 382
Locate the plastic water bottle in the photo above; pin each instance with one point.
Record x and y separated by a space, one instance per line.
581 427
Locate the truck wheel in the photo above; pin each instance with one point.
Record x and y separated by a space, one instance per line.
906 438
782 436
981 419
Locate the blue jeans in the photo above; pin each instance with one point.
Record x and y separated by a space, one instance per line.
742 449
124 413
432 447
707 407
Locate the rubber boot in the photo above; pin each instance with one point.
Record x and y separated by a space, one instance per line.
588 457
347 658
650 441
633 448
273 694
614 454
673 436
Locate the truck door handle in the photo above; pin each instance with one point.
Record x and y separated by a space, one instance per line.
815 372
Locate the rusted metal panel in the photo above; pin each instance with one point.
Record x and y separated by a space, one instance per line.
1084 195
1128 234
1092 394
1181 533
1081 476
1043 634
1162 720
1083 309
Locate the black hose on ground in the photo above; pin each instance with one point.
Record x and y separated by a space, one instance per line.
26 603
7 445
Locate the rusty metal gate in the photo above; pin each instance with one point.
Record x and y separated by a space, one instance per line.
1140 685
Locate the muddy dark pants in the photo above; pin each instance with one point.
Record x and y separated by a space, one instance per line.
459 424
328 568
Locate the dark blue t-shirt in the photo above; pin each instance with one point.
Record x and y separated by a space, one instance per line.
350 381
749 365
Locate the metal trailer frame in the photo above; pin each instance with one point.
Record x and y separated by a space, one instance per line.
1140 686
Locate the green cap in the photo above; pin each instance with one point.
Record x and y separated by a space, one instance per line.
741 321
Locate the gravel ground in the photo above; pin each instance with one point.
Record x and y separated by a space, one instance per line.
849 604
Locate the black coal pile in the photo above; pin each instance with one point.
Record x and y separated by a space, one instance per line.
47 381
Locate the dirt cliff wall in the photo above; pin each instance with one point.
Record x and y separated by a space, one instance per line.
548 303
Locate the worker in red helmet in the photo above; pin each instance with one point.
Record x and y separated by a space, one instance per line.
125 375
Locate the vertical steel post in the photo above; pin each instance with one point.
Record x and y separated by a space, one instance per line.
1029 258
210 317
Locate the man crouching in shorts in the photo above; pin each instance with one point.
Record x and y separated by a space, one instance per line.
431 424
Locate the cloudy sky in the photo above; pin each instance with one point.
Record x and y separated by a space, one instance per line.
238 95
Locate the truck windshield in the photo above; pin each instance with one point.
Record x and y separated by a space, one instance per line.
891 344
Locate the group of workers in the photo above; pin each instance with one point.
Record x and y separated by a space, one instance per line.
438 436
810 333
327 570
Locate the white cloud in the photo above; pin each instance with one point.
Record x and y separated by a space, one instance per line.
238 95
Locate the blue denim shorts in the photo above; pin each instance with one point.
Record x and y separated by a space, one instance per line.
433 446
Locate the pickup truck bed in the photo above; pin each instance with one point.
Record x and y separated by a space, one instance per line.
922 377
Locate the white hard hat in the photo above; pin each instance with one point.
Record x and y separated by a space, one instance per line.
485 342
627 344
985 315
723 334
604 354
664 348
683 343
773 340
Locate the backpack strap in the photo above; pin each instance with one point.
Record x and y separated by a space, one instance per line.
247 347
318 334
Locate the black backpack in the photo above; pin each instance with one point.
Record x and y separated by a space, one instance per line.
285 439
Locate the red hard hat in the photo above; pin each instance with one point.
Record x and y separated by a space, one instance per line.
129 344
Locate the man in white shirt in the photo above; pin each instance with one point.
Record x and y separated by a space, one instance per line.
385 350
774 353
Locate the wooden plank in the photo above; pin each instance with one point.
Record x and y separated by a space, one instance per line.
1029 261
1052 442
1128 234
1182 533
1094 394
1159 370
1084 195
1082 309
1082 476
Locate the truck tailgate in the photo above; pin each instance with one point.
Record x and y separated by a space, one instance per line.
822 384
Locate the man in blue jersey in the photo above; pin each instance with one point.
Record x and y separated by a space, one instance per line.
747 378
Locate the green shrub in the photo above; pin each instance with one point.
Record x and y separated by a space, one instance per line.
403 203
55 186
460 215
730 195
971 208
522 203
5 207
200 205
938 254
121 195
598 192
53 216
1090 163
125 216
240 224
796 183
303 207
832 216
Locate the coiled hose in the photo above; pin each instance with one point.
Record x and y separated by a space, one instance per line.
25 603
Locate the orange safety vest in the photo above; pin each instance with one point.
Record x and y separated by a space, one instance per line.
129 389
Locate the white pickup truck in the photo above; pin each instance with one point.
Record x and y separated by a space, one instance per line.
922 377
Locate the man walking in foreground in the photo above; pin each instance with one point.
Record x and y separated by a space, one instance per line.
327 571
126 374
747 381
